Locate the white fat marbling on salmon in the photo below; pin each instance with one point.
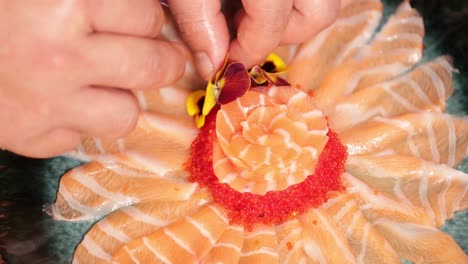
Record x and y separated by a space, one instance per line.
141 216
259 232
373 20
406 126
295 232
399 192
373 200
428 121
441 200
416 88
399 99
94 249
158 255
354 220
400 36
312 250
332 231
235 247
125 171
423 197
109 230
86 211
438 83
343 211
201 229
392 68
456 202
82 177
365 235
261 251
452 141
178 241
131 255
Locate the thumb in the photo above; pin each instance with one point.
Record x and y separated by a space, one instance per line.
203 27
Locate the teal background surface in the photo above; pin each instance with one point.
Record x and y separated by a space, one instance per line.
28 235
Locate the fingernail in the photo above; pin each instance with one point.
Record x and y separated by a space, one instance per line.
204 64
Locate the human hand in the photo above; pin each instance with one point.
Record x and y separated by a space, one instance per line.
66 68
261 26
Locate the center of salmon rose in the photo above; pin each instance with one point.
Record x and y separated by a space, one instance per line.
267 156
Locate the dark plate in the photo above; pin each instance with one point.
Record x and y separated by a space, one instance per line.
27 235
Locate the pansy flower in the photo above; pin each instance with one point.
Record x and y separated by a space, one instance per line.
363 171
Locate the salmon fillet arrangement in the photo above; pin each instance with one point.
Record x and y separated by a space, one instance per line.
351 161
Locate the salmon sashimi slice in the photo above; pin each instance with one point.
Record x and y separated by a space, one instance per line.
376 205
425 88
437 189
120 227
368 245
290 247
260 246
395 49
436 137
159 141
421 244
187 240
227 249
315 57
260 135
95 188
322 239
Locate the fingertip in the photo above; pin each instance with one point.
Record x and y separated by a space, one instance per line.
244 55
203 27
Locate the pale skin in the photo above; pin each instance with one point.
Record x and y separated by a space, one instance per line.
67 66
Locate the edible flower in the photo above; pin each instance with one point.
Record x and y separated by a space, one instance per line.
229 83
269 71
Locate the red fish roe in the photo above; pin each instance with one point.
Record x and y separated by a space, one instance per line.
274 207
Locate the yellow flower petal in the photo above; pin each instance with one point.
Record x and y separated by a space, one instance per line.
193 102
274 64
210 98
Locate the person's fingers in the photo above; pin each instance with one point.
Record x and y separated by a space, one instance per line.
128 17
260 30
133 63
203 27
102 112
53 143
308 18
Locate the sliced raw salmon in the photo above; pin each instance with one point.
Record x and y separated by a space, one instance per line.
316 57
398 188
366 242
268 141
159 141
425 88
228 247
94 189
260 246
120 227
436 189
421 244
436 137
395 49
409 229
322 239
187 240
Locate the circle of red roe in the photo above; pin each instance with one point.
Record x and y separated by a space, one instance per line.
274 207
